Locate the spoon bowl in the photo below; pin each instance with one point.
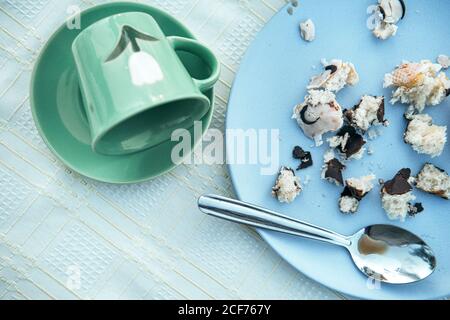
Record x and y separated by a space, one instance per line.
385 253
391 254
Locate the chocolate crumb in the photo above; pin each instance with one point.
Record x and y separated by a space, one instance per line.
303 117
354 143
404 8
348 114
332 68
415 209
399 184
380 112
306 161
304 156
298 152
352 192
383 13
334 170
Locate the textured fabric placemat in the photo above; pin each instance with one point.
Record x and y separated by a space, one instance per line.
63 236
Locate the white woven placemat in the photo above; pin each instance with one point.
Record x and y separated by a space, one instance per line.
63 236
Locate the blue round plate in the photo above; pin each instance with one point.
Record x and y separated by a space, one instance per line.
273 77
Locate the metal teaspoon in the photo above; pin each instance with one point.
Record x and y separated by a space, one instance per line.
384 252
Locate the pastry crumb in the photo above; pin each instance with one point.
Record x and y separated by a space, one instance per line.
424 136
348 142
390 12
434 180
308 30
418 84
287 186
318 114
355 190
336 75
396 195
332 168
348 204
415 209
367 113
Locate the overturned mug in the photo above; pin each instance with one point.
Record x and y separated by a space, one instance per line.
135 89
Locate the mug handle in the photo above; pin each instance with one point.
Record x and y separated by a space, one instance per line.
192 46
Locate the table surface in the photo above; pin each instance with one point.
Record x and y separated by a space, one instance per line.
63 236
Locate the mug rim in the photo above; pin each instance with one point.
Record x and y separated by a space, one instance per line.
101 21
100 135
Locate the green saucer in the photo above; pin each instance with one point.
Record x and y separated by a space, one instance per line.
59 115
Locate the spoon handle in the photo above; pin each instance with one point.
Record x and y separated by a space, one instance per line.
248 214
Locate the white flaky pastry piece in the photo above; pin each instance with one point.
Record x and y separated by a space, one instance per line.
308 30
318 114
424 136
418 84
434 180
367 113
336 76
385 30
389 12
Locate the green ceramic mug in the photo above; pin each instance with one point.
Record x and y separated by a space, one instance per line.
135 89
